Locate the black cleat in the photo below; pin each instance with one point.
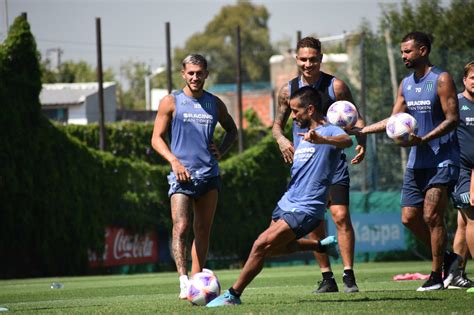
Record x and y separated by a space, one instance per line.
350 285
432 284
461 281
327 286
450 266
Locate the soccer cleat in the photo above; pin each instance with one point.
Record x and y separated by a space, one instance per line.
183 289
450 265
350 285
225 299
327 286
431 284
461 281
330 243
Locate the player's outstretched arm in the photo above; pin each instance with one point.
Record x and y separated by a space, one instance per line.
230 128
340 141
398 107
283 113
342 92
158 142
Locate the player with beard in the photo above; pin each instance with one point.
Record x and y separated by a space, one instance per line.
308 59
192 113
429 95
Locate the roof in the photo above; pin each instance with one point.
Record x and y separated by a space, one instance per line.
232 87
69 93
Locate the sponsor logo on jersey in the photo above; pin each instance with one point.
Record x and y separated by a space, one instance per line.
465 107
409 87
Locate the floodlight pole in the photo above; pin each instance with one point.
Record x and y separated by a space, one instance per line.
100 81
168 58
239 93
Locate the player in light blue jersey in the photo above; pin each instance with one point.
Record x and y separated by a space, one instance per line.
302 206
463 195
192 113
331 89
429 94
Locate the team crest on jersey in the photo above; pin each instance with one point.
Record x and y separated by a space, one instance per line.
184 102
429 86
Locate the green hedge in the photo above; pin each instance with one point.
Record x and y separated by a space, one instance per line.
132 140
57 194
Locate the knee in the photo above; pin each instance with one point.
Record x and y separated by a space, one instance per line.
261 246
180 227
342 221
408 219
432 219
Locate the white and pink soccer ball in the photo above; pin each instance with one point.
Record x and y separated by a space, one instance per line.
203 287
343 114
400 126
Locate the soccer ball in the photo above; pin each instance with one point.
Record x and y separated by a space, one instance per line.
203 287
400 126
343 114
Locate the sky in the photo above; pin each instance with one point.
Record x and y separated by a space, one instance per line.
135 29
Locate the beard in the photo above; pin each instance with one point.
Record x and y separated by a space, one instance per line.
303 124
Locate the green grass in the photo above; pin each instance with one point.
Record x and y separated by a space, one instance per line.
278 290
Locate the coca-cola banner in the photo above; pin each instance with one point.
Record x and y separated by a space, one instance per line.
125 248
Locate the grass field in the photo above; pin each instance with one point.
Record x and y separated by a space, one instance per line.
278 290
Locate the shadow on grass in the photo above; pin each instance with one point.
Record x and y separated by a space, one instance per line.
380 299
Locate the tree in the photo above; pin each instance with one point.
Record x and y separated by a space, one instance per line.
72 72
218 43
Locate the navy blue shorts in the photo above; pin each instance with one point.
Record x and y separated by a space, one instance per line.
417 181
461 190
195 188
300 223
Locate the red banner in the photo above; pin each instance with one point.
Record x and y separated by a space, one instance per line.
125 248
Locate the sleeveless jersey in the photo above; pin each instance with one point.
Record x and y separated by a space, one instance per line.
311 174
192 129
465 132
421 98
326 90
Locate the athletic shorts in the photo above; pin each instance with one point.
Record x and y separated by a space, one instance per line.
417 181
300 223
461 190
195 188
338 195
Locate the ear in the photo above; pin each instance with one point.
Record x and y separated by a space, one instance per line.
311 109
423 50
182 74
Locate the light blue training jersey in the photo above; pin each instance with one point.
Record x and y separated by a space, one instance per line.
311 174
423 103
192 130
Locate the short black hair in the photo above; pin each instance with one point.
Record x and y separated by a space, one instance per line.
420 39
309 42
308 96
195 59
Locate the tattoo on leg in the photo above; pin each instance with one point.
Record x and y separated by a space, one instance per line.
181 215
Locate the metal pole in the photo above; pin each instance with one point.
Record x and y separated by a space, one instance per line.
100 80
147 92
298 36
363 88
24 15
6 18
393 81
239 92
168 58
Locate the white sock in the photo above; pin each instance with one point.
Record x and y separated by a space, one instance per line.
183 279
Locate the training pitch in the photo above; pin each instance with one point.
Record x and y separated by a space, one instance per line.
277 290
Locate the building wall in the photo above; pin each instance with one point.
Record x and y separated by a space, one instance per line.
261 101
110 106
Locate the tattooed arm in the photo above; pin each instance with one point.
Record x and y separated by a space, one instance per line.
278 128
449 105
